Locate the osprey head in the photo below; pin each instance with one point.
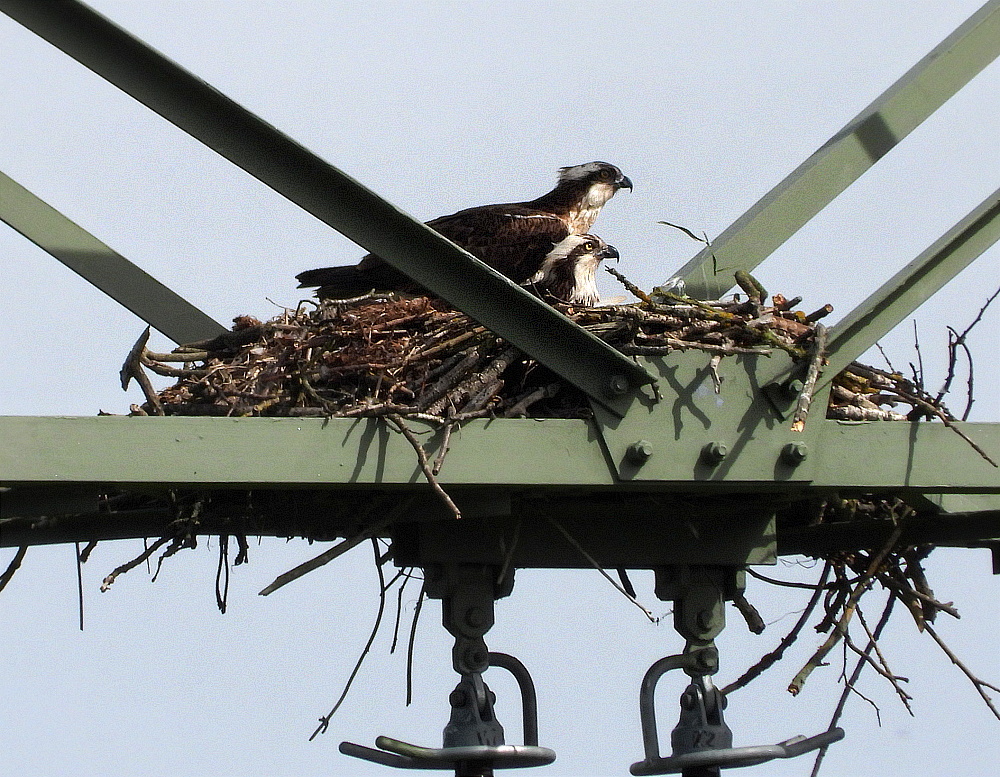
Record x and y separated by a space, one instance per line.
585 189
569 271
596 173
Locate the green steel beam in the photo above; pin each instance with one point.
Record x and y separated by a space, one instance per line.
106 269
553 453
781 212
913 285
335 198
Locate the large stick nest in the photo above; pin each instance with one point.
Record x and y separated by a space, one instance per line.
416 357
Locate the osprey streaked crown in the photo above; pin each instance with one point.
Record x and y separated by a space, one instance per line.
512 238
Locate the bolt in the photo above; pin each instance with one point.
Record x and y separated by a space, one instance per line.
688 700
708 659
638 453
794 453
705 619
616 386
476 659
713 453
476 617
457 698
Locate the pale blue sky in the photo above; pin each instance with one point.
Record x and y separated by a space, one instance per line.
439 106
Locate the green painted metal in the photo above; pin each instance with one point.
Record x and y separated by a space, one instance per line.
335 198
913 285
512 453
313 452
108 270
809 188
712 426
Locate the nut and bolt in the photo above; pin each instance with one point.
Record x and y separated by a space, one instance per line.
639 452
476 617
714 453
458 698
794 453
705 619
476 658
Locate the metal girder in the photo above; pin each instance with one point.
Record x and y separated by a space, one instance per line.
108 270
913 285
338 453
334 197
839 162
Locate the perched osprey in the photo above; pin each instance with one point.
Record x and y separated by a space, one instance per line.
568 273
512 238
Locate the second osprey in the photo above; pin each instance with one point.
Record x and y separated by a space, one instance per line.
512 238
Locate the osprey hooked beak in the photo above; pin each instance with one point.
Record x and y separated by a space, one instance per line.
609 251
624 182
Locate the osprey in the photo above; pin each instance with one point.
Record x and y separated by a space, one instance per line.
568 273
512 238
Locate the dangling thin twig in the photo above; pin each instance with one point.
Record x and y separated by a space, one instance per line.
572 541
13 566
324 722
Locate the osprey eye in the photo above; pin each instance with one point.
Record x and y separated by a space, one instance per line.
608 175
588 246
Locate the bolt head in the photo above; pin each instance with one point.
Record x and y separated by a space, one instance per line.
476 659
714 453
617 385
794 453
458 698
639 452
476 617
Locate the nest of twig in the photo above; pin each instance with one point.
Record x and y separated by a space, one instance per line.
416 357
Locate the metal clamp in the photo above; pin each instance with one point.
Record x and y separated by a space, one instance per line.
701 740
473 739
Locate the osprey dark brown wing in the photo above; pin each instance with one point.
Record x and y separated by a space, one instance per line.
512 238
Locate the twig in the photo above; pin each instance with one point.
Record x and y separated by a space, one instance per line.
631 287
849 685
686 231
410 643
572 541
222 574
411 438
979 684
847 611
13 566
337 550
768 660
750 614
324 722
445 443
132 368
79 580
918 372
883 666
146 553
815 364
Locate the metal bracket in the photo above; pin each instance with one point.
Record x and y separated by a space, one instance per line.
702 743
473 739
